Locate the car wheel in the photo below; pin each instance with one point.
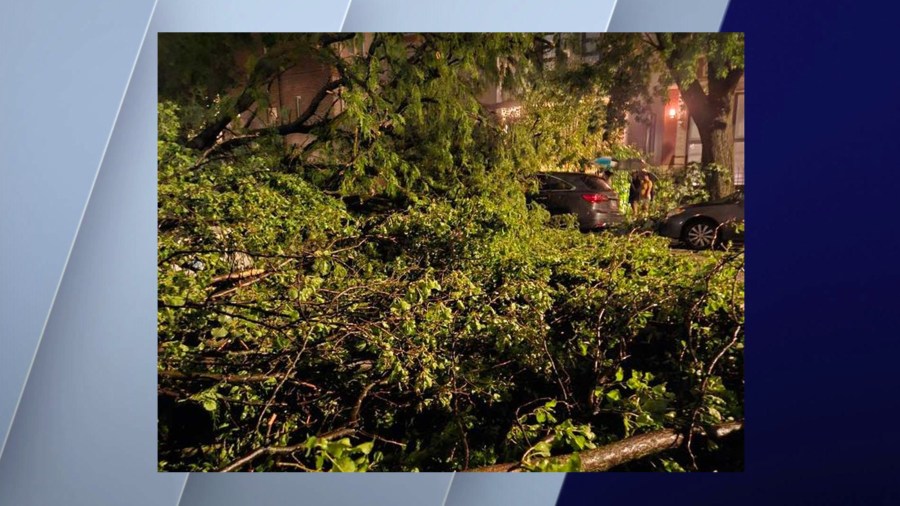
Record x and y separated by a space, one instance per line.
700 234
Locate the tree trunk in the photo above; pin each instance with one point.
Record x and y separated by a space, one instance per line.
712 113
718 150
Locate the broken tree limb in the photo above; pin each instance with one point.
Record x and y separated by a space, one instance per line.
246 273
230 378
629 449
281 450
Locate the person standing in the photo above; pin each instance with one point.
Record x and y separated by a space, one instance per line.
640 193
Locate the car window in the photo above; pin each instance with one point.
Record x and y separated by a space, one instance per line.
552 183
595 183
735 198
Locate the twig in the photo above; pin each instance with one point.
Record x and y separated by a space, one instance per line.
703 386
279 450
287 375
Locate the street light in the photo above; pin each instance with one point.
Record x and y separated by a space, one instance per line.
675 110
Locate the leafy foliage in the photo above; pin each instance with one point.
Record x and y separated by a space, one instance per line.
388 301
629 69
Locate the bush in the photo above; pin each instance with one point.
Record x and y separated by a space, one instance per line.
385 299
456 333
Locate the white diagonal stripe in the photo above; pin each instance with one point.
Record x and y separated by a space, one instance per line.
183 487
75 237
341 29
724 12
611 11
449 486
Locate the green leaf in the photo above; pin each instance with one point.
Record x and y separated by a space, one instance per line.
345 464
542 449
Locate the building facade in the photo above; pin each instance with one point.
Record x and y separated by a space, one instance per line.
665 133
668 136
292 91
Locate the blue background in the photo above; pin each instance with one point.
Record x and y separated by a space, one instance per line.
78 247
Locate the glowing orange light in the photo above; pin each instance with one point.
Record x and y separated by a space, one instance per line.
672 112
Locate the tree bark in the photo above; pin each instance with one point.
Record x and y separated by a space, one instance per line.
718 151
630 449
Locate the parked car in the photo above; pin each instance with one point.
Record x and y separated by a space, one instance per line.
702 226
590 198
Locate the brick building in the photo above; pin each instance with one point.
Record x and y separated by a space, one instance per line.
292 92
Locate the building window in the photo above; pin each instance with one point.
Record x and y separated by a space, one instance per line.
739 116
650 137
550 183
694 146
739 139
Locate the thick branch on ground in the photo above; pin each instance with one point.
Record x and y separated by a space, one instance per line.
230 378
246 273
629 449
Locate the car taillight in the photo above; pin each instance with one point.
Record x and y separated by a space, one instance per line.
595 198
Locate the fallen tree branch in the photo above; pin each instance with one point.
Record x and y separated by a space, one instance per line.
334 434
627 450
250 277
298 125
281 450
231 378
246 273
